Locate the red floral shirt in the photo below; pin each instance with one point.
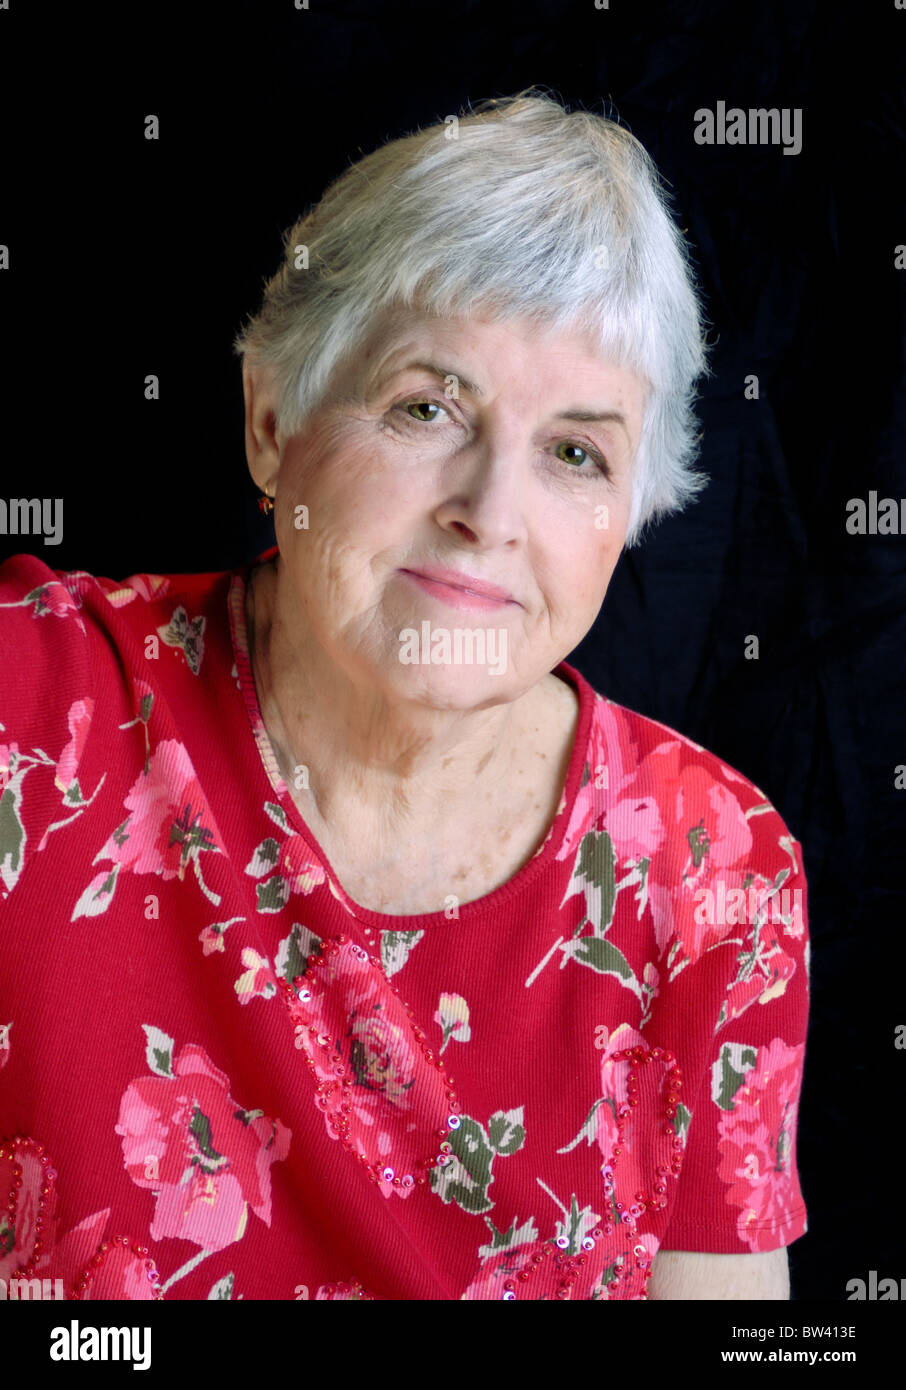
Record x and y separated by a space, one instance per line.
220 1077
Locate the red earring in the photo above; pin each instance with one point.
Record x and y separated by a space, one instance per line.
265 504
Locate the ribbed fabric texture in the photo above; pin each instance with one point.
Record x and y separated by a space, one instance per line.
162 892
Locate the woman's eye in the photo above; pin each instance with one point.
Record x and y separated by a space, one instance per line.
420 406
584 460
574 450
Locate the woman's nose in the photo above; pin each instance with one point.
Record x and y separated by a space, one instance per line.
488 498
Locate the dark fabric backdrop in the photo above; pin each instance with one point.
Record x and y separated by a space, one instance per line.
131 257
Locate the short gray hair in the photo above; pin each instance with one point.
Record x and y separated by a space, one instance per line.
519 208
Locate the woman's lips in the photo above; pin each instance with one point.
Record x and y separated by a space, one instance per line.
455 597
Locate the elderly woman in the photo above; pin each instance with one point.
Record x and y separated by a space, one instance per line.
355 947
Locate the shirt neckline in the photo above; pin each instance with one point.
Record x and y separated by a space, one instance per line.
469 912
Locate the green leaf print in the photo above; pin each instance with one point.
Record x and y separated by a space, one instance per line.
223 1289
729 1072
12 835
158 1050
681 1121
273 894
594 876
578 1222
96 898
784 1148
699 844
526 1234
595 863
200 1126
602 956
506 1134
589 1130
293 952
266 855
277 815
395 949
466 1178
186 633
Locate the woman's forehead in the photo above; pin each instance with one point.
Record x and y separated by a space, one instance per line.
469 346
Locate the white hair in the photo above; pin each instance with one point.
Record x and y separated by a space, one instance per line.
519 208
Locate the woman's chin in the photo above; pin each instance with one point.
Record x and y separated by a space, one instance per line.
451 687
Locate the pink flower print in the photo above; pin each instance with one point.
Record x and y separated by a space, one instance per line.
146 586
93 1268
206 1159
302 873
764 970
170 821
612 761
79 721
382 1056
547 1269
635 827
61 1259
168 827
614 747
9 757
27 1205
614 1083
706 832
81 1261
258 981
585 812
130 1278
630 1118
453 1016
757 1148
56 599
211 939
706 815
374 1087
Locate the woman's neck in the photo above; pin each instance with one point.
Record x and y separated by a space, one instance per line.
381 772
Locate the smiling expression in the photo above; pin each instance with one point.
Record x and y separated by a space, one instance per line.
500 451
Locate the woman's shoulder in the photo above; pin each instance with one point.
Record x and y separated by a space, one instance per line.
43 607
34 579
636 756
85 663
634 738
71 640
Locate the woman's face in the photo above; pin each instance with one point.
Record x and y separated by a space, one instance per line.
470 445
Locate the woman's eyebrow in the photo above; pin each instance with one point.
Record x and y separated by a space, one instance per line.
580 414
605 416
443 373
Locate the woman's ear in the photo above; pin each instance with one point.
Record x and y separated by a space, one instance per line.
262 438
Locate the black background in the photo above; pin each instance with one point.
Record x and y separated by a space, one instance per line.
131 257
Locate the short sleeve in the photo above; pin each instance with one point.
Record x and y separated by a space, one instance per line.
47 704
740 1189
